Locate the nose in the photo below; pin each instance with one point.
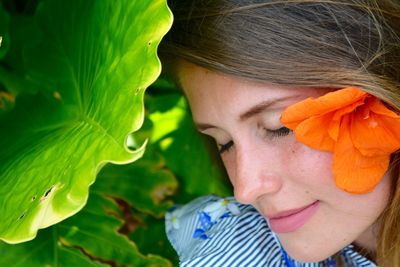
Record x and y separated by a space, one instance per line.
257 174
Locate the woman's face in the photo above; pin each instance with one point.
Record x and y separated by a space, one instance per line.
286 181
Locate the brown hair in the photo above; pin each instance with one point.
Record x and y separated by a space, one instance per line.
308 43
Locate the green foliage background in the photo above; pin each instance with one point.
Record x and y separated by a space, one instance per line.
72 81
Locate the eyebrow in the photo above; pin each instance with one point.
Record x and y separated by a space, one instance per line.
261 107
253 111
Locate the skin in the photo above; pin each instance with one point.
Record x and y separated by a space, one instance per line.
275 173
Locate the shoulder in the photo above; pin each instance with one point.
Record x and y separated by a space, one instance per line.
214 231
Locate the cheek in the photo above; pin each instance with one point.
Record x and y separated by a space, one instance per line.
312 173
309 166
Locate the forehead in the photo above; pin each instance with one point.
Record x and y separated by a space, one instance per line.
207 90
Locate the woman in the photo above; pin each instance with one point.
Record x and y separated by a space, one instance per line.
302 98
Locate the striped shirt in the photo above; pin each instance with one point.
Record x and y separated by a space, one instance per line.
220 232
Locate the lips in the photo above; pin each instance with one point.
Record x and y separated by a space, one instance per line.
291 220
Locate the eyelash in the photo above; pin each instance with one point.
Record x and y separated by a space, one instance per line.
281 132
225 147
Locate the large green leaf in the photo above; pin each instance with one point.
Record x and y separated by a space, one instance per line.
93 64
89 238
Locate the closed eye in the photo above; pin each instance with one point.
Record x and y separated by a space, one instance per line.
225 147
281 132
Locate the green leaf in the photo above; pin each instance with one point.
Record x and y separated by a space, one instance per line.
102 240
149 235
32 253
89 238
46 250
93 63
144 184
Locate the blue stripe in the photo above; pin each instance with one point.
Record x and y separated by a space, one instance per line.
225 244
253 247
263 257
238 247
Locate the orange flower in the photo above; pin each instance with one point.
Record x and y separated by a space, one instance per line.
357 127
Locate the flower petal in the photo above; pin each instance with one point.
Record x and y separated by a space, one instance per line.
354 172
375 134
316 121
329 102
379 108
205 220
216 205
314 132
234 209
200 233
